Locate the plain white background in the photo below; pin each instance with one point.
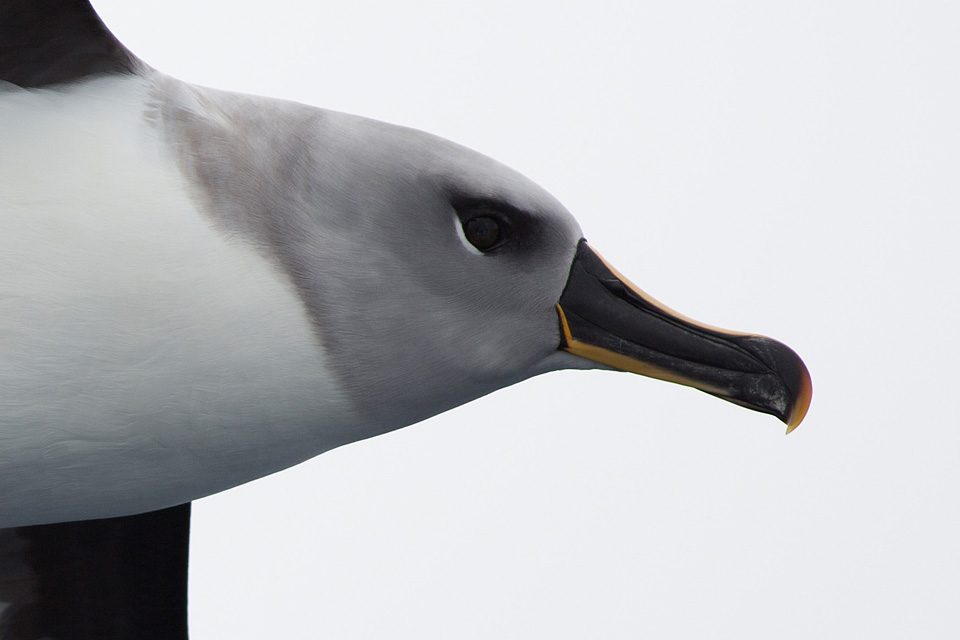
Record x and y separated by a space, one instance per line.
787 168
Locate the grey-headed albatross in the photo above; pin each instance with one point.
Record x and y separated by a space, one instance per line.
199 288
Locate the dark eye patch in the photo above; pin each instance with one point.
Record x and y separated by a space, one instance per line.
493 225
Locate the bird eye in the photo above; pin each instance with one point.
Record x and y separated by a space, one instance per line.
483 232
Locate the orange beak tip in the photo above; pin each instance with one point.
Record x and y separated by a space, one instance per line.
802 403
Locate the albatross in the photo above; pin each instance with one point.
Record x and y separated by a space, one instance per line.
201 288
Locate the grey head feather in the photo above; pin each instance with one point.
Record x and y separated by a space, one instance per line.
362 217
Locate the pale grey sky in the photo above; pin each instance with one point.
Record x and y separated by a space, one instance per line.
784 168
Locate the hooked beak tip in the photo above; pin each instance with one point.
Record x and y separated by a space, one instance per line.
802 402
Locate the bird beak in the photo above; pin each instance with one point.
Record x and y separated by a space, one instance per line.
607 319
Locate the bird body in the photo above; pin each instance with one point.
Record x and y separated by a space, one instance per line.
157 345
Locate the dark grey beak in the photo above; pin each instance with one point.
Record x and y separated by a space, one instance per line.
607 319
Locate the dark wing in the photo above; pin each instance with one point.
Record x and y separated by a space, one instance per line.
110 579
48 42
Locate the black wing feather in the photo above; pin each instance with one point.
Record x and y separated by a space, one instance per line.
110 579
49 42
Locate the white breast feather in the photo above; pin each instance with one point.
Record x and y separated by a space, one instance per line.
140 351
